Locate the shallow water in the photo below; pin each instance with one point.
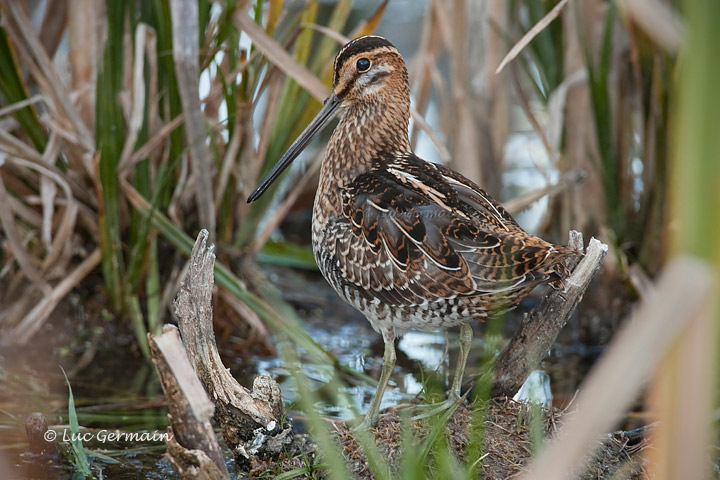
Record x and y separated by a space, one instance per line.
118 390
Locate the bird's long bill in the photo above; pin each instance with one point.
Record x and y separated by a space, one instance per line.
326 113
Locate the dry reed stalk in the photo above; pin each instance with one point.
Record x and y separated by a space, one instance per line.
531 34
52 25
58 243
250 170
492 89
26 213
145 42
437 142
84 28
658 20
465 141
15 239
279 57
566 182
155 141
186 54
527 110
48 191
237 140
339 38
20 29
281 210
259 332
13 146
55 233
684 395
424 63
34 100
34 320
680 400
474 106
584 210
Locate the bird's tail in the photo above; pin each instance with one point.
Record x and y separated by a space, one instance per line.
562 259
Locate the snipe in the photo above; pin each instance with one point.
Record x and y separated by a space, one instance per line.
409 243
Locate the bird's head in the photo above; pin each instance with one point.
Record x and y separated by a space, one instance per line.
368 71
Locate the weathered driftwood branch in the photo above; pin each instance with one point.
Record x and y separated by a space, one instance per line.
541 326
192 446
251 421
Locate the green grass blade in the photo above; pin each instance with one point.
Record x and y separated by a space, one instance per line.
153 290
327 444
547 45
295 473
138 321
411 463
287 254
13 90
80 461
293 101
598 82
109 139
281 317
157 14
379 465
328 47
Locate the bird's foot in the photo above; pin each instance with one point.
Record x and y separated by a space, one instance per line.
448 407
365 424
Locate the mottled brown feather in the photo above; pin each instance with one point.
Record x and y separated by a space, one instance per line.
410 243
469 244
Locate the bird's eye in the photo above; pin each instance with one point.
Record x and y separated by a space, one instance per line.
363 65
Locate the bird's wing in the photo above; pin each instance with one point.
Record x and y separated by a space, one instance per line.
411 235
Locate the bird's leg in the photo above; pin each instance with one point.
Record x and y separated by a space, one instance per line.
465 341
454 398
389 358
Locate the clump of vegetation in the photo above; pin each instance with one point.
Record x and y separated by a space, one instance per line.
105 167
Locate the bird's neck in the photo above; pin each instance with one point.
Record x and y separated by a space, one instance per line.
367 132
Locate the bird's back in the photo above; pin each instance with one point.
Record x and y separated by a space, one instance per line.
413 244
